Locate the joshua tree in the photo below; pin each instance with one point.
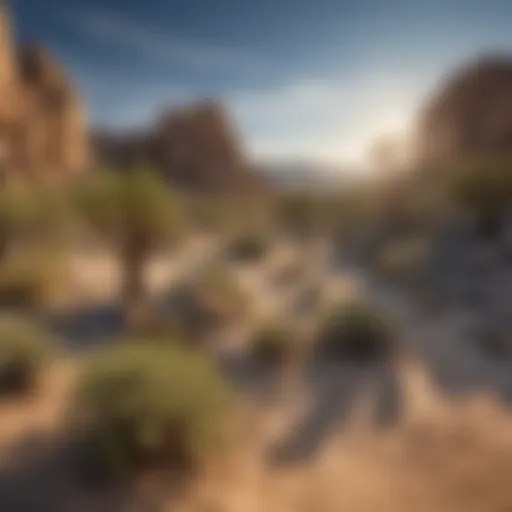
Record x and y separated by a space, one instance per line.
136 213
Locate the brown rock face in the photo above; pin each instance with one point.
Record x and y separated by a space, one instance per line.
42 120
196 147
470 114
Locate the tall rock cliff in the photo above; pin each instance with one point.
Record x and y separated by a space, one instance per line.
42 119
196 147
470 114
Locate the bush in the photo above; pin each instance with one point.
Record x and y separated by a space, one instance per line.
356 330
273 344
484 187
401 260
145 406
31 280
210 300
248 246
24 350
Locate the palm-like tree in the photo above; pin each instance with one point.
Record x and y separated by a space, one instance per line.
136 213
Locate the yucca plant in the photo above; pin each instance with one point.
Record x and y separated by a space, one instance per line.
135 212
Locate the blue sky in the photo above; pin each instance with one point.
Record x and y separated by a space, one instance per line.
314 79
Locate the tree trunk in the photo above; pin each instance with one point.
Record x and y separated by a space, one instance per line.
134 258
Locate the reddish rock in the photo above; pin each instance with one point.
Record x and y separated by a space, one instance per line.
470 114
196 147
42 118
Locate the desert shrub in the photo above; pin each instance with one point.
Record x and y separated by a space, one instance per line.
206 301
298 214
248 246
32 279
483 186
356 329
25 348
401 260
144 406
273 344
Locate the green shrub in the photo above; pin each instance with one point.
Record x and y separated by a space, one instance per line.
209 300
273 344
248 246
356 330
32 279
25 348
483 186
144 406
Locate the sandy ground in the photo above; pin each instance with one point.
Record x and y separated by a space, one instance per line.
441 456
358 439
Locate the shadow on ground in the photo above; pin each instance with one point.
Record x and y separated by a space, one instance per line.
459 359
334 390
39 476
86 325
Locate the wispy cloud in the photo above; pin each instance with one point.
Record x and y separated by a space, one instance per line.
160 46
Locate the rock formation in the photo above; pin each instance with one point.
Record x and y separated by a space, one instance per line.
42 119
196 148
470 114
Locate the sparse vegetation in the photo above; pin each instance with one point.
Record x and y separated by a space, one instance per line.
357 330
206 301
25 348
483 186
401 260
136 213
299 214
148 407
29 280
248 246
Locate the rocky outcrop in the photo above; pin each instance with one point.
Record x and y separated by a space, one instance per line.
42 118
195 147
470 114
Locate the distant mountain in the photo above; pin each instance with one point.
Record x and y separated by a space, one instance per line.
196 147
300 174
